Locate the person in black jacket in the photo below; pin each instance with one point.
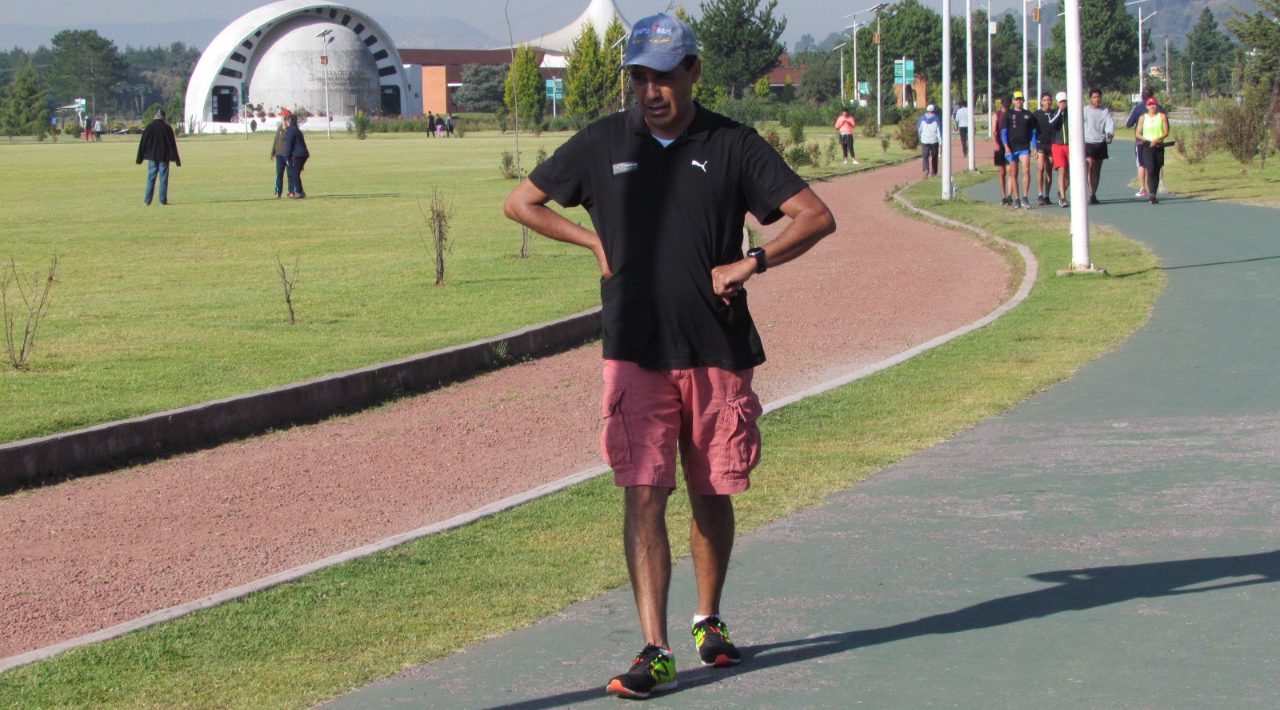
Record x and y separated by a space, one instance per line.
1044 158
158 147
295 151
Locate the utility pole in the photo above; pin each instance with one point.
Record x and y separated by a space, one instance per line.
944 115
968 87
1024 46
991 107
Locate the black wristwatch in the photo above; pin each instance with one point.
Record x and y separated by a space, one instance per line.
758 254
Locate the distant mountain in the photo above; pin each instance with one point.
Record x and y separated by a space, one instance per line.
1177 18
407 33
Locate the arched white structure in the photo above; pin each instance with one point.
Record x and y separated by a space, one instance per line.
598 14
272 56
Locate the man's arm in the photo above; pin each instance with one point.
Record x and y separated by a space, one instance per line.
811 220
527 204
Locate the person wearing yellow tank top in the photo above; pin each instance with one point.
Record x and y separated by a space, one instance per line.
1151 132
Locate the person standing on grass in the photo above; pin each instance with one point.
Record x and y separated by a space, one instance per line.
929 128
844 128
278 154
159 147
667 185
1018 135
1099 129
296 154
1150 133
997 158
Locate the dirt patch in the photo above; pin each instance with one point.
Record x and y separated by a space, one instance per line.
95 552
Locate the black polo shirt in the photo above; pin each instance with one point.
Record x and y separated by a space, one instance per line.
666 217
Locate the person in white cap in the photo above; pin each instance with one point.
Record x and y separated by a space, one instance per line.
668 184
929 128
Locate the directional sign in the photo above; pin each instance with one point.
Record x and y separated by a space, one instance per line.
904 71
555 89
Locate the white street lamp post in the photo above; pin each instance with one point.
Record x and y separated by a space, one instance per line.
945 108
968 88
1080 260
1024 47
991 107
1142 79
325 39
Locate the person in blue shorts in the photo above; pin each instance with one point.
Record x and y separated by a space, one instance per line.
1018 135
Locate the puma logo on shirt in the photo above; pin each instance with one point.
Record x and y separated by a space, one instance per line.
702 165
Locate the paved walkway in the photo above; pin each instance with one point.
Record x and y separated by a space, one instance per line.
1111 543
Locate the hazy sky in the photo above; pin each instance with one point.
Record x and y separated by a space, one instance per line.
530 18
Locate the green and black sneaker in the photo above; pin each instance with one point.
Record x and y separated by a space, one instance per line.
653 671
714 646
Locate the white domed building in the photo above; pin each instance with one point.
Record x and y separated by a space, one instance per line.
324 59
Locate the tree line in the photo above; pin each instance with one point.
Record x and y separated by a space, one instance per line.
84 64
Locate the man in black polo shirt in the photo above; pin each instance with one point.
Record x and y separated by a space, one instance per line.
668 185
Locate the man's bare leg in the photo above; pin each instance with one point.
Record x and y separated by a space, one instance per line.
711 542
648 558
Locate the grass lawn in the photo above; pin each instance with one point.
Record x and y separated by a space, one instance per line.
304 642
161 307
1222 177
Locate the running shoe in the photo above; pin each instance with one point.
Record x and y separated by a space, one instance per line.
1026 204
1062 202
1006 202
854 161
653 671
1093 200
1044 200
1154 201
714 647
1140 193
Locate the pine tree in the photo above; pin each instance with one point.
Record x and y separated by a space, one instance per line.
587 81
23 110
739 42
524 89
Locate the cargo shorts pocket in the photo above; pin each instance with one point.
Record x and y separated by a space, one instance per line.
738 436
615 439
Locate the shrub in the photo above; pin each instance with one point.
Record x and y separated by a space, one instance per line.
795 124
907 134
798 155
815 154
772 138
508 166
362 122
869 128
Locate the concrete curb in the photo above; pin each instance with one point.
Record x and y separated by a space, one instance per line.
84 451
1030 272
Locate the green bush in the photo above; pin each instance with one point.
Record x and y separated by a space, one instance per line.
798 156
795 124
907 134
362 123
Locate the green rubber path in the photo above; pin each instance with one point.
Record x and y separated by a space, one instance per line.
1112 543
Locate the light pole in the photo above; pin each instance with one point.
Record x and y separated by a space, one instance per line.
991 108
1080 260
968 88
840 47
944 114
325 39
1141 71
876 9
1039 52
1024 46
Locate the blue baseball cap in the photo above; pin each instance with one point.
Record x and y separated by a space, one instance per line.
660 42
